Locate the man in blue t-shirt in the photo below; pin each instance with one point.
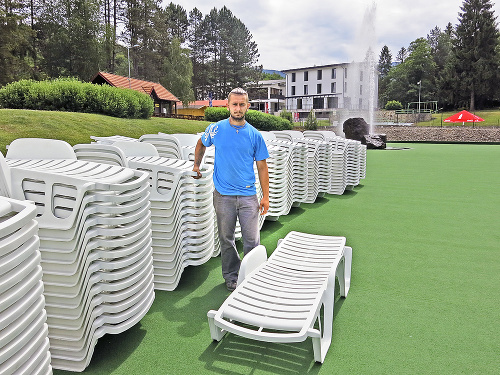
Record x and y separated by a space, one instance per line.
237 145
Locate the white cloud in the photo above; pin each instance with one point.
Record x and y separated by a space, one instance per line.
297 33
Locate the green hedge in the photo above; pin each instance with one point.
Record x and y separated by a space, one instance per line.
74 96
214 114
393 105
262 121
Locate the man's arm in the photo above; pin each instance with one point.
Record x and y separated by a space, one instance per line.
264 184
198 157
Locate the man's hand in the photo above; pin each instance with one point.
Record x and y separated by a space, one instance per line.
198 157
264 206
196 169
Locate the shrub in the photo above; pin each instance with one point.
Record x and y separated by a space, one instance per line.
393 105
287 115
215 114
68 94
311 122
14 94
259 120
267 122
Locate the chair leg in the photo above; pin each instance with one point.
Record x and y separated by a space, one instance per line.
322 339
216 333
347 269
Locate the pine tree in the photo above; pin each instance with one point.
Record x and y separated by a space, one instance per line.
69 32
384 61
475 62
198 54
16 48
223 52
177 22
384 67
402 54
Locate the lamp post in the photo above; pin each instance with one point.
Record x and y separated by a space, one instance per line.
128 58
419 88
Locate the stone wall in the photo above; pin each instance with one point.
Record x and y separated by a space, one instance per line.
439 134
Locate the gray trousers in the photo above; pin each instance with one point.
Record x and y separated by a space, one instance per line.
228 208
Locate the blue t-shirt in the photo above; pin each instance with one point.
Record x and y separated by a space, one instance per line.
235 152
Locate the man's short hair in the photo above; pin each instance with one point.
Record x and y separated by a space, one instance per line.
237 91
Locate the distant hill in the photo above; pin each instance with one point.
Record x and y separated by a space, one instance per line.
270 71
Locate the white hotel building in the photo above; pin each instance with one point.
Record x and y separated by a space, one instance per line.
328 88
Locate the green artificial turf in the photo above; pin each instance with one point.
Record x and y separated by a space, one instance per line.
424 298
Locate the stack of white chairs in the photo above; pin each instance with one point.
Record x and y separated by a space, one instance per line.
95 243
182 212
297 166
353 174
354 158
359 154
313 161
24 342
362 161
166 145
338 159
280 199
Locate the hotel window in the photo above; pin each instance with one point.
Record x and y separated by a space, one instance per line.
293 90
345 72
333 102
318 103
305 90
320 75
361 76
318 88
334 87
360 89
293 77
345 87
360 103
299 103
306 76
334 73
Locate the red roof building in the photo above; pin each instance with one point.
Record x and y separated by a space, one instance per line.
164 101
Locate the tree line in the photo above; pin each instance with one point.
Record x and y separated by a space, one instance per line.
457 66
191 54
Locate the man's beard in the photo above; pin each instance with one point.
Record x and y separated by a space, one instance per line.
242 117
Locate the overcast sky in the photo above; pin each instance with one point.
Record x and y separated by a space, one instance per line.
302 33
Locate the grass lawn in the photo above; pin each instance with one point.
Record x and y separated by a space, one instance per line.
78 127
424 297
490 117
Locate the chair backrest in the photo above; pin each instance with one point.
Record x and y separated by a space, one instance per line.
101 153
136 148
5 181
40 148
268 136
187 139
167 145
295 134
251 261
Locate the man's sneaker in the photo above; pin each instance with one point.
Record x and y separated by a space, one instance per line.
230 285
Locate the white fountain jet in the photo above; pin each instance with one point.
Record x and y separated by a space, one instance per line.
362 84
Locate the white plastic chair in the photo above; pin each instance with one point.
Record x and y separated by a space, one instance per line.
282 299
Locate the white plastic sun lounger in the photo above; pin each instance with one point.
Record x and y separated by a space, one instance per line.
280 300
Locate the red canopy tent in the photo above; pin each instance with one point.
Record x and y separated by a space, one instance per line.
463 116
